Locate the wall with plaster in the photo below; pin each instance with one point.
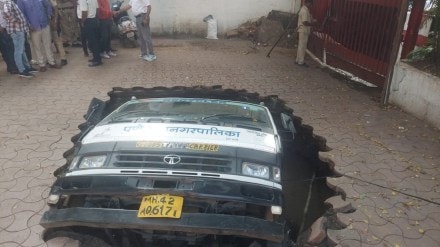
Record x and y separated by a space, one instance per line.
186 17
416 92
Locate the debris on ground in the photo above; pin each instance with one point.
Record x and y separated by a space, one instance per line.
268 29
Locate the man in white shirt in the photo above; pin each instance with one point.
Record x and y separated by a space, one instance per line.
304 26
86 12
141 10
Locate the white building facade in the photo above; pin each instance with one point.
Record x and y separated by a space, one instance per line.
186 17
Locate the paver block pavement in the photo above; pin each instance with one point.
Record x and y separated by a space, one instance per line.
384 151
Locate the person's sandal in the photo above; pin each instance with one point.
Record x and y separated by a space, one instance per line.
55 66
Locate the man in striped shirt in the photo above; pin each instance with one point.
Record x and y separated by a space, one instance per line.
7 47
16 26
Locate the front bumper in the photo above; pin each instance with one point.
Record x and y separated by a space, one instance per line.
202 223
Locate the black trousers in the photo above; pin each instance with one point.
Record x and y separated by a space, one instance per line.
7 50
105 29
83 40
91 31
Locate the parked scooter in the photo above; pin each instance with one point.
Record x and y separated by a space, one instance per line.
127 29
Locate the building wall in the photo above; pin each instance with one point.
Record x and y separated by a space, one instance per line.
186 17
416 92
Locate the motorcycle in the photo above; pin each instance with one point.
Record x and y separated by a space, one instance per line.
127 30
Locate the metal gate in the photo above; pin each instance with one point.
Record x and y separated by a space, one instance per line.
356 36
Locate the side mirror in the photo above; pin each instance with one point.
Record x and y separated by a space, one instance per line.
94 113
286 120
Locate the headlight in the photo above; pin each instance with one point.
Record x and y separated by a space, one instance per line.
74 162
93 161
255 170
276 174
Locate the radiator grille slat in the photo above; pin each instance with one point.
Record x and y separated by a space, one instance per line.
187 162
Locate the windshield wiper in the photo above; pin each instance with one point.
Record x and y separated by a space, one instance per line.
233 116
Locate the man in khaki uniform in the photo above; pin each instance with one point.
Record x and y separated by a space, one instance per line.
54 33
68 22
304 26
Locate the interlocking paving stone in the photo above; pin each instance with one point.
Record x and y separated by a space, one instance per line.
424 241
376 146
346 238
9 168
10 244
14 237
19 224
7 194
5 222
8 153
34 237
28 206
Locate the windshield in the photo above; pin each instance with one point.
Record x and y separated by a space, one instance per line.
190 110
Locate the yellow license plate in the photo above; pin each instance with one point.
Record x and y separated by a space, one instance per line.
160 206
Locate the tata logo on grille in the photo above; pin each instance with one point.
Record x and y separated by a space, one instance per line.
171 159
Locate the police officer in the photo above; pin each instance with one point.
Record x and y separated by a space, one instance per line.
68 22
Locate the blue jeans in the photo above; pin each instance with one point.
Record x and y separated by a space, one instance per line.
19 55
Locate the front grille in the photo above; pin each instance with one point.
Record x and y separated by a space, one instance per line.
187 162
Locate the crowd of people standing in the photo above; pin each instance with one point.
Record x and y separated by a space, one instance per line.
45 20
30 29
